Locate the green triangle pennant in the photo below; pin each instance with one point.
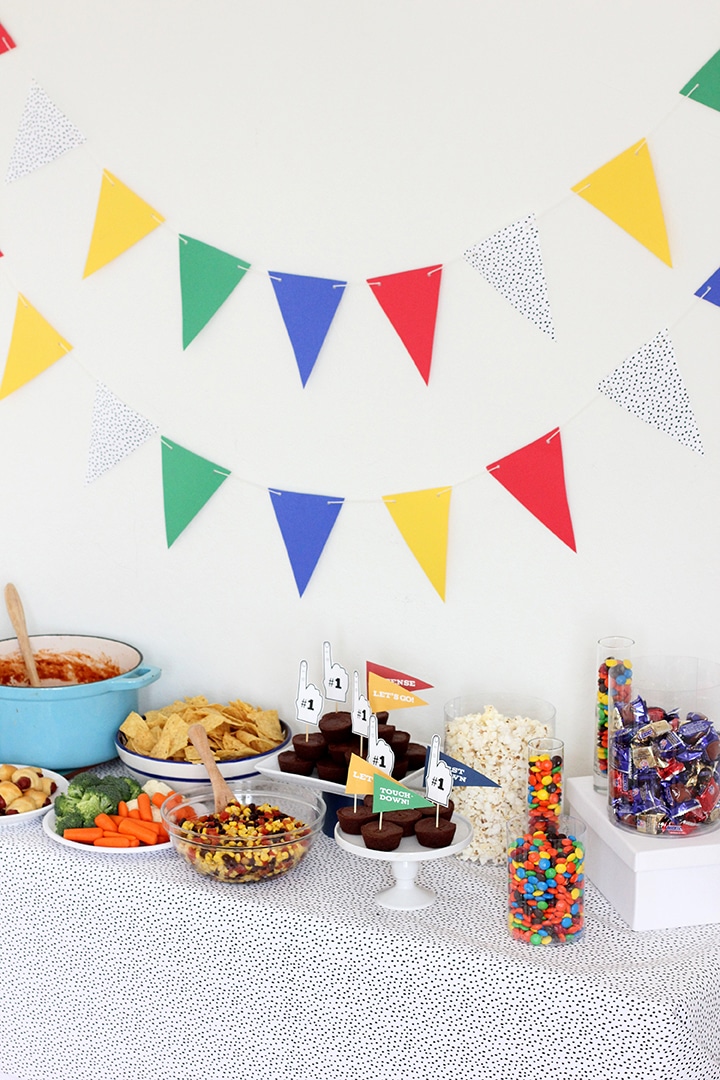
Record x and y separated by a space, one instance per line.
389 795
188 483
207 277
705 84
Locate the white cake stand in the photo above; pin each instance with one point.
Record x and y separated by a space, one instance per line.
406 894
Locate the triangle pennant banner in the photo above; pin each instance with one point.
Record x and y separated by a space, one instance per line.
398 677
116 431
6 42
306 522
34 346
705 84
422 518
511 261
649 384
384 694
535 476
388 795
410 301
710 289
188 482
462 775
625 190
308 306
44 134
207 277
121 219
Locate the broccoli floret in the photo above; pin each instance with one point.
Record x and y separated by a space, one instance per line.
67 815
134 788
92 803
82 783
114 788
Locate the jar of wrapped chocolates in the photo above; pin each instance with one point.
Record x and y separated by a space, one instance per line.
664 749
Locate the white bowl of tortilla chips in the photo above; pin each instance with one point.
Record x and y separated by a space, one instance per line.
155 746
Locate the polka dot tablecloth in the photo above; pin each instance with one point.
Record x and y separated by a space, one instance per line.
135 968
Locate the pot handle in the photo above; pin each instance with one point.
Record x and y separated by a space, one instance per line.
136 679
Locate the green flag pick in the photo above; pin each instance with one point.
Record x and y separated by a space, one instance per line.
705 84
207 277
188 483
389 795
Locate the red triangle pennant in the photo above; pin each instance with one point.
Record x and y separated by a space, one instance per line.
6 42
410 301
536 477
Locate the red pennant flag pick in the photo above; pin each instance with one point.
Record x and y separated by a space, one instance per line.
536 477
6 42
410 301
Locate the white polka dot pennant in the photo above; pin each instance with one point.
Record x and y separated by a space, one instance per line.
116 431
649 384
44 134
511 261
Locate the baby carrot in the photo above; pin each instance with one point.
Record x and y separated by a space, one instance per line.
84 836
113 841
122 809
130 827
144 806
134 814
173 799
106 823
159 798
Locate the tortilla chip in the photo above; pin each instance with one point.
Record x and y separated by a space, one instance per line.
174 737
140 738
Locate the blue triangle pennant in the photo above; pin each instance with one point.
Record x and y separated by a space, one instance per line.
308 306
710 289
462 774
305 522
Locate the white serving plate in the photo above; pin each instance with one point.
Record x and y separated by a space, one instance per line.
269 767
30 815
49 827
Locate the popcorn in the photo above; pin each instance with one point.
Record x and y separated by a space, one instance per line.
496 746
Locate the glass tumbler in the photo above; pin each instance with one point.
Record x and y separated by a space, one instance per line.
546 761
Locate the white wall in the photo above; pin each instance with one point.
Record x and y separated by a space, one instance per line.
350 140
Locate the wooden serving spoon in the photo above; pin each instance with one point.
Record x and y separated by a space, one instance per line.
17 618
221 791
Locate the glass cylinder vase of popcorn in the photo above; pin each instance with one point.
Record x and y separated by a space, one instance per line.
489 731
614 689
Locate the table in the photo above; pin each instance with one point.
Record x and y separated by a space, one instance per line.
135 968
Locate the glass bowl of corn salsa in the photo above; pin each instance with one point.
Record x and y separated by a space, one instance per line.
264 833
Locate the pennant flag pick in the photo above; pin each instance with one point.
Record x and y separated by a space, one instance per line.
34 346
308 306
625 190
462 774
422 518
188 483
389 795
511 261
410 301
536 477
116 431
207 277
710 289
361 776
384 694
306 522
121 219
398 677
649 384
6 42
705 84
43 135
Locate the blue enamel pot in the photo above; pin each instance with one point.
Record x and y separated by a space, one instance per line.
65 725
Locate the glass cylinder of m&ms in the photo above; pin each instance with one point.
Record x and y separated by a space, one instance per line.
614 689
546 761
546 881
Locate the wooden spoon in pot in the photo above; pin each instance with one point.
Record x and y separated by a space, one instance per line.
17 618
221 791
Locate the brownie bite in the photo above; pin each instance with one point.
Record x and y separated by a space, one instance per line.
444 811
352 818
336 726
310 746
400 768
327 769
290 762
416 755
400 740
431 835
386 838
406 819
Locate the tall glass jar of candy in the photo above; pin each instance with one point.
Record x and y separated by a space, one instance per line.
614 689
546 881
664 749
546 759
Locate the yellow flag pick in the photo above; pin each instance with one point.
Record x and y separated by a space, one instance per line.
361 776
34 346
385 694
122 218
422 518
626 191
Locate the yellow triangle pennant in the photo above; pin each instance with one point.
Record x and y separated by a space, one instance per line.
422 518
122 218
361 776
34 346
385 694
626 191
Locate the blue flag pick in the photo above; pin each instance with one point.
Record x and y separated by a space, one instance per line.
710 289
305 522
462 774
308 306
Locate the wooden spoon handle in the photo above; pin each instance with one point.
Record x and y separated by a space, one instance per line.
17 618
221 791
